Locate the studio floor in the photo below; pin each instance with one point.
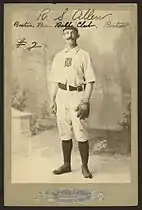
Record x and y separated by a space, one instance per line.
34 158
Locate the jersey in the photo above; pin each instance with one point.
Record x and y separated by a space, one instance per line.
73 67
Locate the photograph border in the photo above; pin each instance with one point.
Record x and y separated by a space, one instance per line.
7 184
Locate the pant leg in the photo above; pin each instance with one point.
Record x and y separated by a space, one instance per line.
79 126
63 116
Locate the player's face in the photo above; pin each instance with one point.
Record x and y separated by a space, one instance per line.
70 36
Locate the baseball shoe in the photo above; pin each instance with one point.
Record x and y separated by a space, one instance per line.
86 173
62 169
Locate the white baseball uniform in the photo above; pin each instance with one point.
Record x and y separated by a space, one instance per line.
73 68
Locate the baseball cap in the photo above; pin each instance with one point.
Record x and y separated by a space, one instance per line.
70 28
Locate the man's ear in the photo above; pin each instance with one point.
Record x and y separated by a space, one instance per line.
78 36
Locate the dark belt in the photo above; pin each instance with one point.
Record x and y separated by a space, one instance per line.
72 88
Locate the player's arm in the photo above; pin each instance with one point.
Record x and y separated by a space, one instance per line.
54 84
88 92
83 109
54 89
90 78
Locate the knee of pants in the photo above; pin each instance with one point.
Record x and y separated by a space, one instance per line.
80 133
81 138
65 130
79 128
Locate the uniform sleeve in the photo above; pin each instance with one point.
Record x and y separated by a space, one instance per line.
88 69
54 70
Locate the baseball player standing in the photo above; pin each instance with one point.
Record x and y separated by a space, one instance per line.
72 79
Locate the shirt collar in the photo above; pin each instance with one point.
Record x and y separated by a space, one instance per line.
75 49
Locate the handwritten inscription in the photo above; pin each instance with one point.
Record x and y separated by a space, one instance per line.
110 24
80 18
42 25
23 42
43 15
60 18
89 15
83 24
24 24
80 15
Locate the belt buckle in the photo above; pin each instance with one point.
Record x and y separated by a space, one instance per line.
67 87
79 88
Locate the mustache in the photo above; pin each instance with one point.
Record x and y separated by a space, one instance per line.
70 38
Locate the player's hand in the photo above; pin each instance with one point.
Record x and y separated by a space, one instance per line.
83 110
53 107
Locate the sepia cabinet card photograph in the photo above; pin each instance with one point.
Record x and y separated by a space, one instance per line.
70 105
